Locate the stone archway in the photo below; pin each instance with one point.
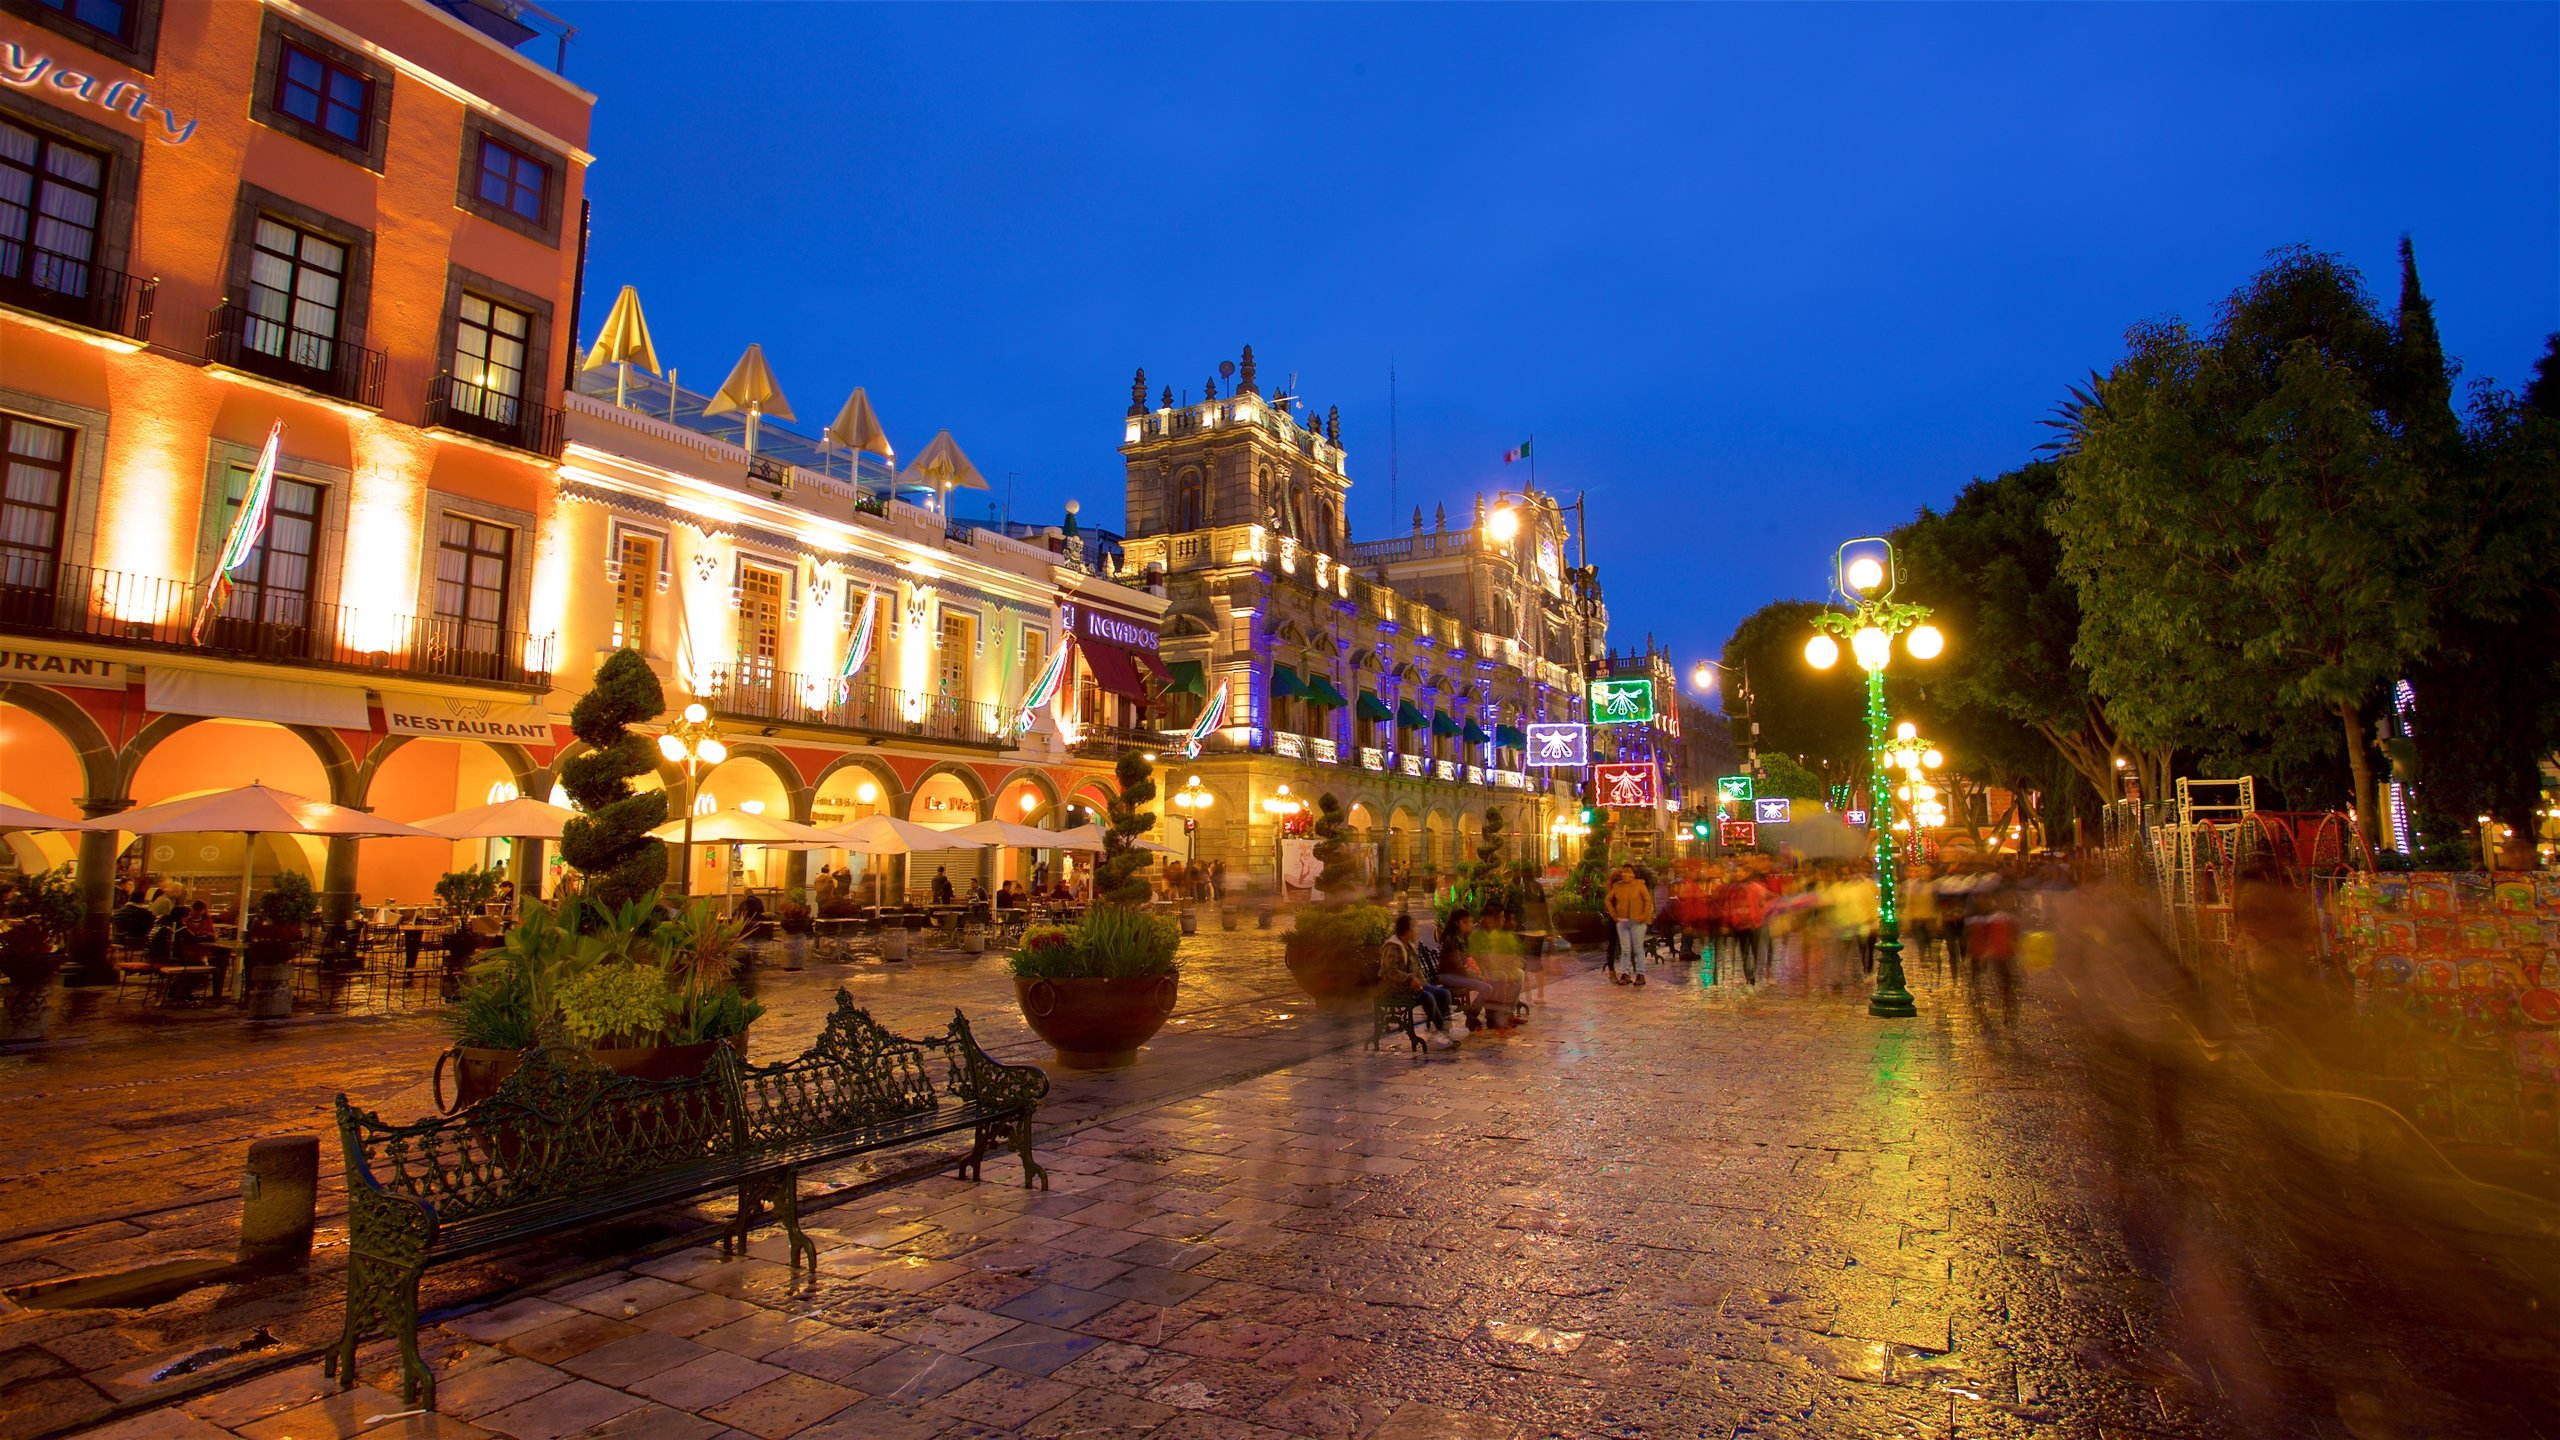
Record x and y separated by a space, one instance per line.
887 797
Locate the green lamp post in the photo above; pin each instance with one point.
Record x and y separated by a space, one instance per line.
1864 580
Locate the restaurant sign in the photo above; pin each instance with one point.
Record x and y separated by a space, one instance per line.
46 667
464 719
1087 623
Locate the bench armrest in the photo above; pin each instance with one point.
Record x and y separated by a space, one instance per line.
986 1082
380 1224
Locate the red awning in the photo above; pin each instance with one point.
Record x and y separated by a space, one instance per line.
1154 665
1114 670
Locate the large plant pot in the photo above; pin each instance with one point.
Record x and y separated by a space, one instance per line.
1190 921
795 950
1227 917
973 939
266 970
478 1070
1332 974
1097 1024
893 943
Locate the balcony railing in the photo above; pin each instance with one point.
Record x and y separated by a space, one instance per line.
69 289
1288 746
493 415
752 692
239 337
1122 739
1323 750
74 602
1372 758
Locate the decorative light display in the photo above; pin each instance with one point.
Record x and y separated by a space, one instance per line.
1775 810
1625 701
1559 747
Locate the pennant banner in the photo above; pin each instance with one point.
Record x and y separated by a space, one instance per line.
859 651
1045 689
246 530
1212 715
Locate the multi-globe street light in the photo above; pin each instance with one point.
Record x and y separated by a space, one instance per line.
1918 760
694 743
1865 581
1192 797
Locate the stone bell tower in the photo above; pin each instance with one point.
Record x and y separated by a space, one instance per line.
1231 455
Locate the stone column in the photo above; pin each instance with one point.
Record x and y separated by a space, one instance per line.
97 879
530 857
338 883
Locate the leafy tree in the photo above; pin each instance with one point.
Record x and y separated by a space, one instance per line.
1334 848
610 842
1783 774
2542 393
1491 844
2238 520
1991 569
1117 878
1816 715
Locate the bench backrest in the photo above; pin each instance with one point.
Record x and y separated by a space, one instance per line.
560 1125
857 1074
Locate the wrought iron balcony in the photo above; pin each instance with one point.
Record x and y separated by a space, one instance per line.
239 337
493 415
748 691
105 607
75 291
1117 740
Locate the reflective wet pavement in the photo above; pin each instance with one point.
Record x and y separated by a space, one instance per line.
1675 1211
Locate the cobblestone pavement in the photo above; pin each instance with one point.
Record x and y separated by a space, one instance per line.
1675 1211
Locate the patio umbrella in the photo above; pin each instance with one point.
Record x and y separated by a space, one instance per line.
623 340
941 467
752 388
1008 834
522 818
1089 837
740 827
13 818
254 810
856 429
889 835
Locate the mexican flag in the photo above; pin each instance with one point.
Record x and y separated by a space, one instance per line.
1520 454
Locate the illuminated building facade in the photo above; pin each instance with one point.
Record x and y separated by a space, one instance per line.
1399 675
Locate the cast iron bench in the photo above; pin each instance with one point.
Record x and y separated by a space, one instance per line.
565 1143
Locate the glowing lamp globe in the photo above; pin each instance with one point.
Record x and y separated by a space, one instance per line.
1905 759
1933 759
1873 648
1865 573
671 747
695 714
1925 642
712 752
868 794
1030 803
1504 523
1704 677
1822 652
1906 731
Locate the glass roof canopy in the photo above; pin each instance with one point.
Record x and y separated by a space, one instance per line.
651 395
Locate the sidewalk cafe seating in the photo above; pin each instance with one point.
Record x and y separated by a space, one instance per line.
565 1144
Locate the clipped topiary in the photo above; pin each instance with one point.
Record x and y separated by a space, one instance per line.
610 844
1117 879
1333 850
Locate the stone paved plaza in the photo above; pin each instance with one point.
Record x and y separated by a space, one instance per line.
1676 1211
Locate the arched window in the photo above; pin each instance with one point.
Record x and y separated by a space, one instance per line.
1297 517
1188 512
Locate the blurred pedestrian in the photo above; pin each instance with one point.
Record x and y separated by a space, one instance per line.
1630 905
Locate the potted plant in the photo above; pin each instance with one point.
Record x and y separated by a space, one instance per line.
282 918
797 923
1332 951
651 998
43 917
1100 990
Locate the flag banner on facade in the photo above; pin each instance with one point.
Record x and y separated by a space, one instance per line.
246 529
860 650
1212 715
1520 454
1045 689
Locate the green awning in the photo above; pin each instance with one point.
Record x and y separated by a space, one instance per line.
1285 683
1190 677
1320 690
1409 718
1510 735
1475 734
1441 724
1370 707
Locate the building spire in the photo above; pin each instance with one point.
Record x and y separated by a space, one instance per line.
1333 424
1245 386
1138 393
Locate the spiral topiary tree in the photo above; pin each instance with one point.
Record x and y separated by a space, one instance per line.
1117 878
610 844
1333 848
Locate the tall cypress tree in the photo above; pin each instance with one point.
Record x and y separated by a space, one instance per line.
2542 393
610 842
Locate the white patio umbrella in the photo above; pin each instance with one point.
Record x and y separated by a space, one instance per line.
1089 837
1009 834
522 818
741 827
889 835
13 818
254 810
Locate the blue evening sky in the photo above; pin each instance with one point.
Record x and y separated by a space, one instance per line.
1757 277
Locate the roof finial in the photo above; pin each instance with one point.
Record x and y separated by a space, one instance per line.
1333 423
1167 403
1246 386
1138 393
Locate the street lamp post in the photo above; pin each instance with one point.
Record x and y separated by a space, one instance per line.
1918 760
1280 807
1191 798
1866 580
694 743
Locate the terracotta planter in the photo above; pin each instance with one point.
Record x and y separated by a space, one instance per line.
1332 974
1097 1024
478 1070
